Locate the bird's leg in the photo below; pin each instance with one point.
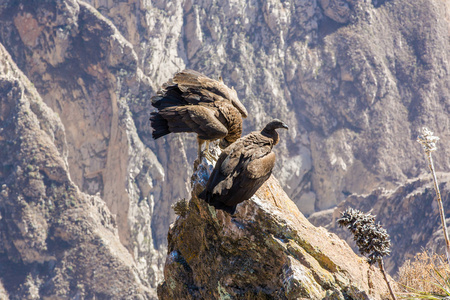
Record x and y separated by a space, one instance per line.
199 153
207 154
203 153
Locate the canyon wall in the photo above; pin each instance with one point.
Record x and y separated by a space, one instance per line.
355 81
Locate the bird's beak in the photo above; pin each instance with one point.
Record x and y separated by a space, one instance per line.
284 126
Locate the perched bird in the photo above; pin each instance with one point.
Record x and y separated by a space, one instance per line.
192 102
242 168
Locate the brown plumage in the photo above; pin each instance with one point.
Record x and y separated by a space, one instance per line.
192 102
242 168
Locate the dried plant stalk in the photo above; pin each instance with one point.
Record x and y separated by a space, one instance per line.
428 141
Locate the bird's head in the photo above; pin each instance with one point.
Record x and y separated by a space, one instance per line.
274 124
270 131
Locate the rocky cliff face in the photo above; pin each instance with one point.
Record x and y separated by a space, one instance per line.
354 80
267 250
56 242
87 73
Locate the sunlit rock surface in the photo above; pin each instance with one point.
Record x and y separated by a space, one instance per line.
267 250
87 73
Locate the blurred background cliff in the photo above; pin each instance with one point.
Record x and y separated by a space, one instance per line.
355 80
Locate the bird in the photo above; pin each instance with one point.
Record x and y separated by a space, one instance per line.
242 168
193 102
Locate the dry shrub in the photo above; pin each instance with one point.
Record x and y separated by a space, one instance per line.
427 274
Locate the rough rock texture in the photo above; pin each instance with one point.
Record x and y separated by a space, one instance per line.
409 213
390 70
267 250
3 293
87 73
354 80
56 242
337 10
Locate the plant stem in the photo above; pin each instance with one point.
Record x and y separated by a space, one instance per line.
441 207
381 264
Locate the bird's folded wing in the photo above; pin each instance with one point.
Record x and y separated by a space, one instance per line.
260 167
196 88
168 96
203 121
234 156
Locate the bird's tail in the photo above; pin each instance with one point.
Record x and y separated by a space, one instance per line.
204 195
159 124
229 209
208 197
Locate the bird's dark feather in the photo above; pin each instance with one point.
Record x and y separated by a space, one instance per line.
192 102
240 170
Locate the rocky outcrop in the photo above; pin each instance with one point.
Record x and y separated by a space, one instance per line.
337 10
409 213
56 242
267 250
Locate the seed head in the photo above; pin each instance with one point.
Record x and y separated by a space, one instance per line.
371 238
428 140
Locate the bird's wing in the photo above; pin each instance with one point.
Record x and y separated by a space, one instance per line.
230 163
168 96
245 167
241 152
228 166
260 167
197 88
192 118
234 161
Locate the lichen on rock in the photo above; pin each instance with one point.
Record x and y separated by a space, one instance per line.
267 250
